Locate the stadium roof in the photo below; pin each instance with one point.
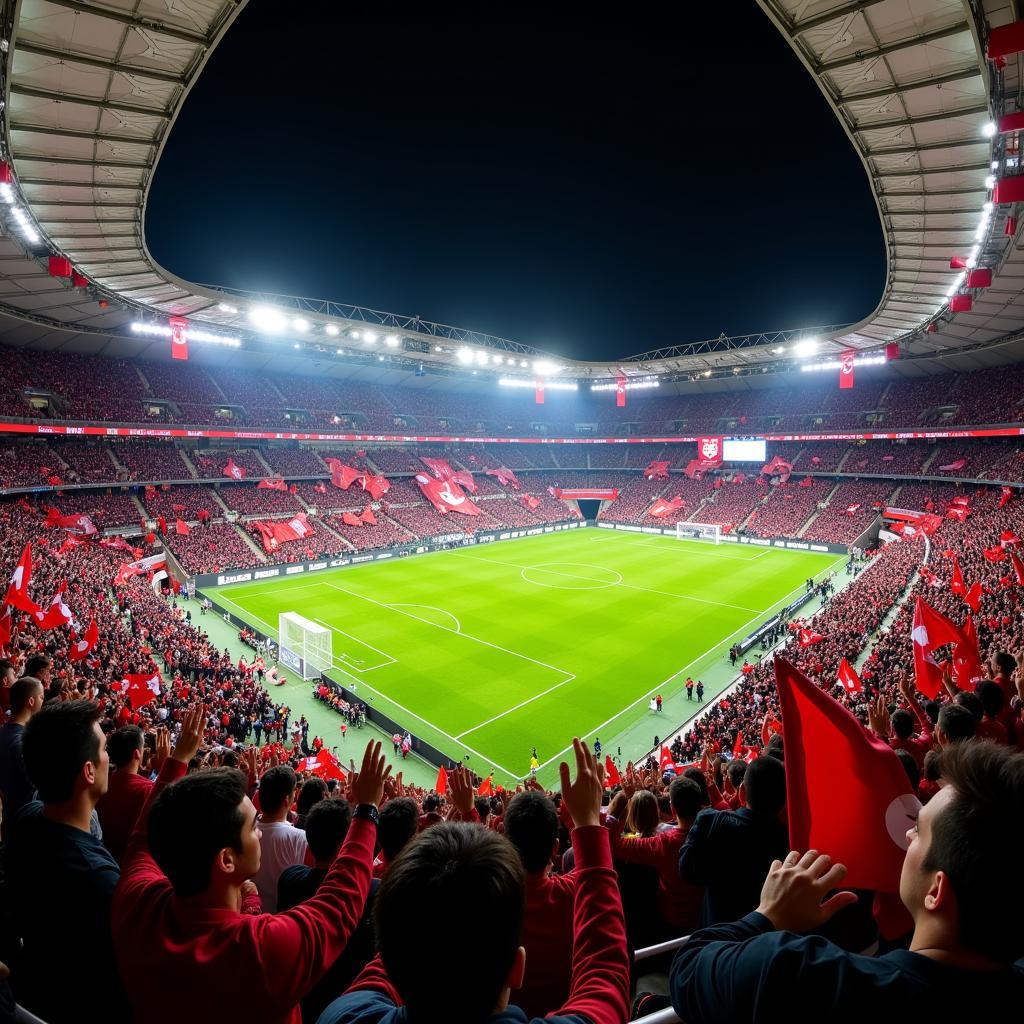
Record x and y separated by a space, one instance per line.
92 90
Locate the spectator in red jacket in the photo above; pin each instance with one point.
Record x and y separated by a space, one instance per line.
119 808
178 914
531 825
471 881
679 901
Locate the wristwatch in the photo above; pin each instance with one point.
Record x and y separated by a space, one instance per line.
367 811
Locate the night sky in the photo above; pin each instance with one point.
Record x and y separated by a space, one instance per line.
594 188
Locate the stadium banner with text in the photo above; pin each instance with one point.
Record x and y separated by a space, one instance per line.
270 572
789 543
98 430
604 493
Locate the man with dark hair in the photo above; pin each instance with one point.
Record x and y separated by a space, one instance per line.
120 806
471 881
8 677
955 725
531 825
678 900
182 939
61 878
40 666
964 942
281 843
729 852
992 725
431 815
327 825
399 823
26 699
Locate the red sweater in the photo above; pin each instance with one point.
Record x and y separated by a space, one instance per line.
172 953
599 990
679 902
547 938
119 808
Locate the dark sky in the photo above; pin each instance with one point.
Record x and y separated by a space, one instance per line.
595 188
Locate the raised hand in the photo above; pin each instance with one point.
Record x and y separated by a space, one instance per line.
582 796
191 735
162 749
460 790
792 895
878 717
367 784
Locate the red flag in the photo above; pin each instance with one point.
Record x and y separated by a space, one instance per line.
973 597
538 392
931 630
1008 538
141 688
620 391
1018 568
465 479
967 658
125 573
441 786
446 496
329 766
81 648
849 678
958 512
277 484
17 589
666 760
351 519
737 746
341 475
662 508
1006 495
505 476
846 358
57 613
957 583
233 471
79 525
996 553
486 787
376 486
71 542
441 468
368 517
181 528
810 636
611 773
859 811
529 500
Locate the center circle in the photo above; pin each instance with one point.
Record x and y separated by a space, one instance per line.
570 576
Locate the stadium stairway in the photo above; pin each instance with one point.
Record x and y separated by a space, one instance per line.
827 500
931 458
842 461
326 526
189 463
119 466
263 462
250 541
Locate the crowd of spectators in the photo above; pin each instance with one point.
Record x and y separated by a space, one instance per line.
151 460
213 547
248 499
836 523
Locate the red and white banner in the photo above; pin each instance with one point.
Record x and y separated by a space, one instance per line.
662 508
368 517
601 493
79 525
848 677
530 501
465 479
277 532
140 688
846 358
852 509
233 471
441 468
620 391
657 470
57 613
81 647
709 451
351 519
375 486
951 466
276 484
504 475
179 340
446 496
17 588
778 467
809 636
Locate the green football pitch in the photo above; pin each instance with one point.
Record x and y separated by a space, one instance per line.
490 650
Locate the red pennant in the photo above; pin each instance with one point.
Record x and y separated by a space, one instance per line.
611 773
848 677
931 630
17 589
441 786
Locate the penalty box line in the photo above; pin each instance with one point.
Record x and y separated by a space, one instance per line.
347 659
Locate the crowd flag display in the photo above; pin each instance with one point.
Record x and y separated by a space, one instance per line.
17 588
931 630
233 471
446 496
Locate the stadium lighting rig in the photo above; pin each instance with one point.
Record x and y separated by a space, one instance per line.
191 334
629 385
548 385
835 364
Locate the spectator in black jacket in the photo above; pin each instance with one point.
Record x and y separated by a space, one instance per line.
965 940
729 852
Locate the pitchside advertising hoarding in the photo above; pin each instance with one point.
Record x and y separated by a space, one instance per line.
789 543
270 572
92 430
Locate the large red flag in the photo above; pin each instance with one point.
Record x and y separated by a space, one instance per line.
973 597
667 762
465 479
233 471
957 583
181 528
967 658
142 687
486 787
57 612
846 358
611 773
276 484
1018 568
81 648
17 589
441 786
351 519
859 811
376 486
446 496
931 630
848 677
810 636
368 517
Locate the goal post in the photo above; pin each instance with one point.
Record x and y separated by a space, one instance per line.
304 646
710 532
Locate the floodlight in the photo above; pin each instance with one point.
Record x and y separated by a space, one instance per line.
265 318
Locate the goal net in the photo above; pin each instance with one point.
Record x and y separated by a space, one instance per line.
710 532
304 646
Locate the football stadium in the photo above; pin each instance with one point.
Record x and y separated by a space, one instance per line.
667 679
